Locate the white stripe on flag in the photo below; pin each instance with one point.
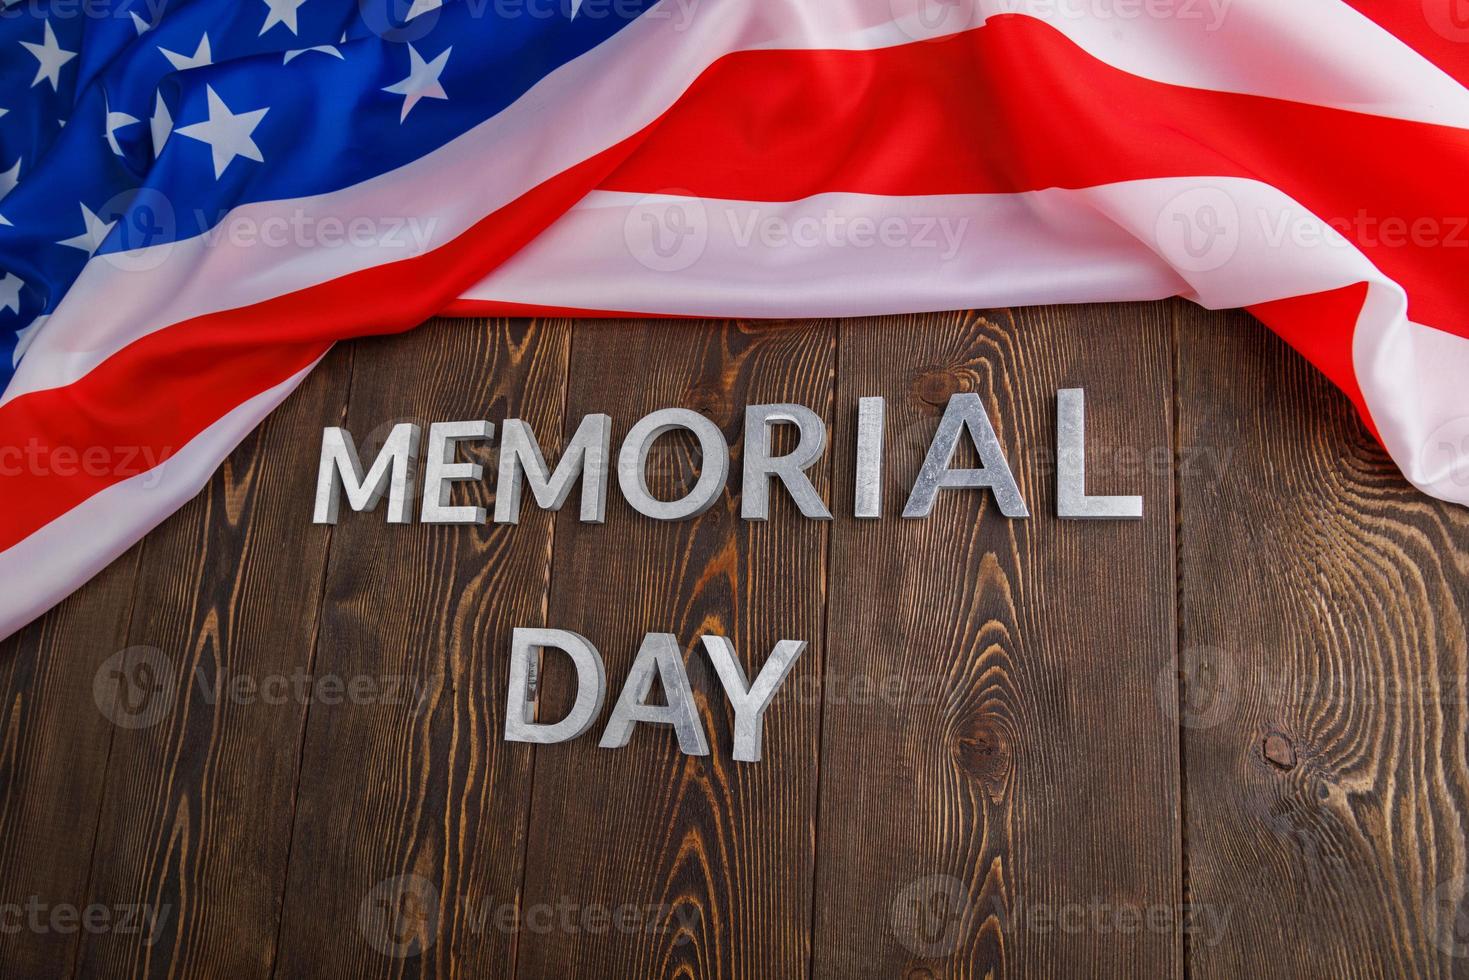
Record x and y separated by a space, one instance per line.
1122 241
829 255
620 87
55 561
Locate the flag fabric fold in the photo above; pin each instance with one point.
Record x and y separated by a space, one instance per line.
198 197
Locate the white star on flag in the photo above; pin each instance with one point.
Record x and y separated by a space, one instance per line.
24 336
227 134
422 7
201 58
282 12
114 122
9 178
51 57
422 81
141 25
330 49
160 124
10 288
91 239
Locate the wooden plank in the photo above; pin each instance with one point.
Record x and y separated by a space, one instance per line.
410 824
54 740
1323 603
195 820
999 781
708 861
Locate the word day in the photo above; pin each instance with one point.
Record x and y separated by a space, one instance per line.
658 657
588 457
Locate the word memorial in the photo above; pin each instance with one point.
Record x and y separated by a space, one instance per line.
588 454
587 458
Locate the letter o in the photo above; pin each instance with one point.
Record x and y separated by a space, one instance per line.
632 463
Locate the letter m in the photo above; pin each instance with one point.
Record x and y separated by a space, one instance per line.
585 456
391 473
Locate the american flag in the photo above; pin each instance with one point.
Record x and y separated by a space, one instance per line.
198 197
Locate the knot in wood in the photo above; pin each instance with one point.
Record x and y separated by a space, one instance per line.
982 750
1279 751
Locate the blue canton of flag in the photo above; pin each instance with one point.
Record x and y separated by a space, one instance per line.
126 124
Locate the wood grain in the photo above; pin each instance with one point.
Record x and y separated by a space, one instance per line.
195 818
1006 805
53 761
1322 607
1227 740
410 822
715 855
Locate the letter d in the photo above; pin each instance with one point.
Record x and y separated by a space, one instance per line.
525 686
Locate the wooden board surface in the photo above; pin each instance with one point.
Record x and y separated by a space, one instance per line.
1322 604
1017 732
1227 740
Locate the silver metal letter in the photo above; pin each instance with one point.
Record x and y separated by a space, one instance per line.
749 702
391 473
1071 497
632 460
525 686
871 423
586 454
760 466
440 471
965 412
659 655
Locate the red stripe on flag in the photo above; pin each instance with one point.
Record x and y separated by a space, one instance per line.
1437 29
1016 106
1320 326
159 392
1010 106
